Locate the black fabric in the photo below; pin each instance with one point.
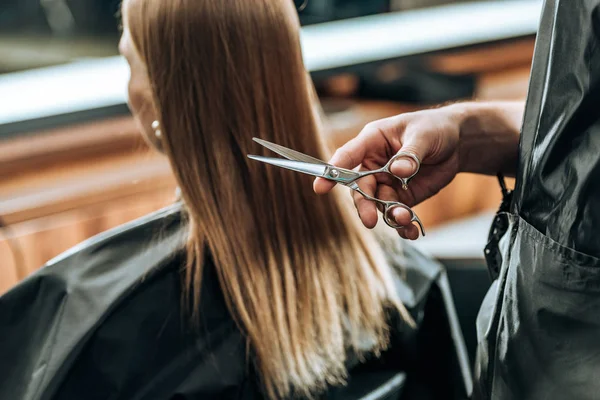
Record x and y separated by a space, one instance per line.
539 325
105 321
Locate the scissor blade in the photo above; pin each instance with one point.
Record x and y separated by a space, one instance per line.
298 166
288 153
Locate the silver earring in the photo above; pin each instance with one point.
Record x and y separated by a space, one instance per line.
157 132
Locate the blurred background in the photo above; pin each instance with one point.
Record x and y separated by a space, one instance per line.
72 164
39 33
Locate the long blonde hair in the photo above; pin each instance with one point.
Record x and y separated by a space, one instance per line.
303 280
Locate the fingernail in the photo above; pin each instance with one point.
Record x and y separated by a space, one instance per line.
406 167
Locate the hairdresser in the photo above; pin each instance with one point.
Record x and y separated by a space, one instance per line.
539 325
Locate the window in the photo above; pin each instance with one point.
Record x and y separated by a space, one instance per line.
39 33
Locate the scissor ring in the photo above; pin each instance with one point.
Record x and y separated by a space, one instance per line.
409 154
393 224
388 218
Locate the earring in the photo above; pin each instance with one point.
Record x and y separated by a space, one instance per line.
157 132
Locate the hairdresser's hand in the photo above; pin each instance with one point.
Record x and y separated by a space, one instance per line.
465 137
432 135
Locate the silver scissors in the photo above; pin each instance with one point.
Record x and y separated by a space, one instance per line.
300 162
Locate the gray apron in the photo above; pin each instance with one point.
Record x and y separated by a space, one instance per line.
539 325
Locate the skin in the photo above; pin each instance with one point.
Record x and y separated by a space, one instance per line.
465 137
139 89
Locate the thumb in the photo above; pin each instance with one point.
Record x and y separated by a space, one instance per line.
405 166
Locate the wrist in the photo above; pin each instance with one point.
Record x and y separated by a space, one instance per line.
488 136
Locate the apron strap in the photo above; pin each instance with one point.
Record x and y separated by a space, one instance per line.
493 256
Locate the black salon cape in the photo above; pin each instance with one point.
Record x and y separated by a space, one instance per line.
539 327
104 321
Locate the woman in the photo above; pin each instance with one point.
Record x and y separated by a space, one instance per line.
273 304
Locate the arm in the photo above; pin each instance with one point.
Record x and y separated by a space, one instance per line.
477 137
489 136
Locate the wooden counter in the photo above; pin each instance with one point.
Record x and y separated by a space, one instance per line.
62 187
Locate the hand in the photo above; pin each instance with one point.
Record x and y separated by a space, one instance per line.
432 135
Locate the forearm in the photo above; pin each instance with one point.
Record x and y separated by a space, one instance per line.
489 136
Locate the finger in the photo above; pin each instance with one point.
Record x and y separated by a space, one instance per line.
402 216
367 209
412 232
353 153
322 186
348 156
404 167
424 185
409 232
415 143
401 233
386 192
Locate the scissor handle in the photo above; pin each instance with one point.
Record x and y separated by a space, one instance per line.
388 217
388 208
401 154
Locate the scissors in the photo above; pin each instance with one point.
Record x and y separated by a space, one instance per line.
306 164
